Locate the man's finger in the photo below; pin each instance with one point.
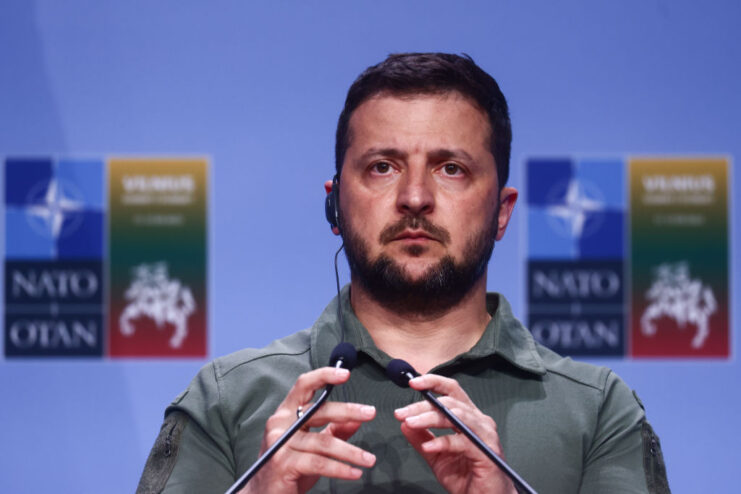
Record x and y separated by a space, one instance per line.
440 385
425 406
428 420
458 444
481 424
307 384
418 437
333 448
342 412
313 464
342 431
452 443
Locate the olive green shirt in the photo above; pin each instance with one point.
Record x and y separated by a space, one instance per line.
564 426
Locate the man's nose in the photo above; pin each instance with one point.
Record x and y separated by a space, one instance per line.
416 192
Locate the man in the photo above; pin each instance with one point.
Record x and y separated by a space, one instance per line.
422 158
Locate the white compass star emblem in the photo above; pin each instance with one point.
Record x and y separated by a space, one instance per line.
54 207
576 207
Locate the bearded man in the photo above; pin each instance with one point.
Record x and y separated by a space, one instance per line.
419 197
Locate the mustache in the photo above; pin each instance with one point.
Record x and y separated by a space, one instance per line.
414 223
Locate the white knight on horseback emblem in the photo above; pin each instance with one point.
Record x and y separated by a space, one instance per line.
155 295
675 295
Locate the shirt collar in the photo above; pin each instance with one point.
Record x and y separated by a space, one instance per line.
504 336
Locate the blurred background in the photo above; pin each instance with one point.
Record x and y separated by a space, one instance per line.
257 88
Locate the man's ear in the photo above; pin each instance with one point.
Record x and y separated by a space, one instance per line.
507 200
328 190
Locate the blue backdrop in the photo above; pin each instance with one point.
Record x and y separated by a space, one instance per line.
258 87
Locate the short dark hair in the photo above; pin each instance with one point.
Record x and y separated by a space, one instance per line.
431 73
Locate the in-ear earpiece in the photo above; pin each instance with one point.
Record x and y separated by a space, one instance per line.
332 204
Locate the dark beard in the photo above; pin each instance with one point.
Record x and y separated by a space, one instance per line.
440 288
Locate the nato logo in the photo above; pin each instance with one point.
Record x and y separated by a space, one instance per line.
575 209
54 210
54 244
576 244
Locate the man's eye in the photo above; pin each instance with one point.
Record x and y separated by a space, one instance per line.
382 167
452 169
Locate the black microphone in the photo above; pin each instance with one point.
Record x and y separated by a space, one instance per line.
400 372
344 356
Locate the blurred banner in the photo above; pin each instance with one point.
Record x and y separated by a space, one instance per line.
157 257
679 252
658 287
54 234
56 285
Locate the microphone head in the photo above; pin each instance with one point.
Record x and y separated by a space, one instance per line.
346 353
398 371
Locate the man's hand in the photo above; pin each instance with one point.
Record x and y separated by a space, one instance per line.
457 463
297 466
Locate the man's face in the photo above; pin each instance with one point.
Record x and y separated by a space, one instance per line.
419 199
